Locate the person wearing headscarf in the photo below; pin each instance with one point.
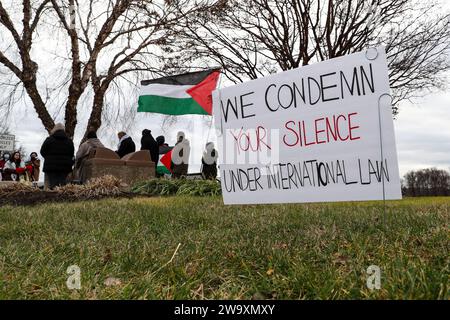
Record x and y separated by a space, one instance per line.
34 167
150 144
162 145
126 144
180 156
5 157
209 162
58 153
85 148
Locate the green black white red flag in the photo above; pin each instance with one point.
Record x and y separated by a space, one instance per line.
189 93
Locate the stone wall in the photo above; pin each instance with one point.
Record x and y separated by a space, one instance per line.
129 174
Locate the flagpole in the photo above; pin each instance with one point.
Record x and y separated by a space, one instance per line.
211 120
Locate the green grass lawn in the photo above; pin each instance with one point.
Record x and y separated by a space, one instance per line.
313 251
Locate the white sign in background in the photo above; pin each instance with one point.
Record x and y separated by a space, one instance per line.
6 142
310 134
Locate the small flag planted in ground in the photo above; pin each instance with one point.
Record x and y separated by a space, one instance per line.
189 93
166 160
164 164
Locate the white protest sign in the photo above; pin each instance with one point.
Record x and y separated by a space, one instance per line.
7 142
322 132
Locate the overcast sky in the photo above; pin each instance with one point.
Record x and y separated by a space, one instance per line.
423 133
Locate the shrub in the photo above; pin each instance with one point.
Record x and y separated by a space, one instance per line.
165 187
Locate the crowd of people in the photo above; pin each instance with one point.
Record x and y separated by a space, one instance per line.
60 160
14 168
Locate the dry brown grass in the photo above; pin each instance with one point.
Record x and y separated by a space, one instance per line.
24 194
99 187
16 188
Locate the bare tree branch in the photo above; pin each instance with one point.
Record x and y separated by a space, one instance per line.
286 34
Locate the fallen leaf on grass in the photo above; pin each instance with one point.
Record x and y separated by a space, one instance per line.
191 268
230 254
258 296
280 246
112 282
339 259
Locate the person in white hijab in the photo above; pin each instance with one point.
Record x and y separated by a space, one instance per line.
180 156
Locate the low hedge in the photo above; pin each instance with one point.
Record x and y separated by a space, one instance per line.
166 187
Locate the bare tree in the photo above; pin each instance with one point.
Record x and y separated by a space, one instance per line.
427 182
250 39
25 68
129 29
104 44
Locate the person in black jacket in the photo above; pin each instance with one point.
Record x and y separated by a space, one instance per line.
126 144
150 144
209 162
58 153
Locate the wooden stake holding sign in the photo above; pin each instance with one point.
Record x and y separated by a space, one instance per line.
312 134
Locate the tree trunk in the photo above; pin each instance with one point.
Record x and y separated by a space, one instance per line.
95 119
71 112
39 105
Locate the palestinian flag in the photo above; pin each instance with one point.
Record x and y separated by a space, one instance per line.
189 93
165 160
